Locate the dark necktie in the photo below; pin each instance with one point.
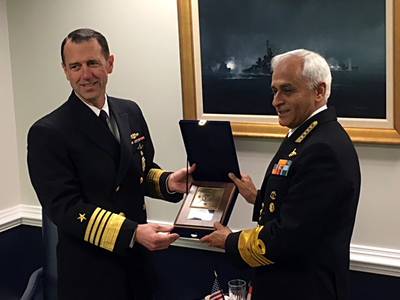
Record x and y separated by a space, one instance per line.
108 123
103 117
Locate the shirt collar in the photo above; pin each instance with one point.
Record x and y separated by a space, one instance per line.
94 108
313 114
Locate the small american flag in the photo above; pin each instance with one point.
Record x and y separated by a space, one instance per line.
216 291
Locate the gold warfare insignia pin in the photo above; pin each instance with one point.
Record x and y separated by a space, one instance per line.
134 135
81 217
293 153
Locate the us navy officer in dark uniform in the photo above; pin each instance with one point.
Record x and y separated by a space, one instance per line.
91 164
307 203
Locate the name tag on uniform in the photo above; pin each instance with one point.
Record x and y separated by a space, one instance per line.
282 167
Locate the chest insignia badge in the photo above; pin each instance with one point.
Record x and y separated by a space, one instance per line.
293 153
134 135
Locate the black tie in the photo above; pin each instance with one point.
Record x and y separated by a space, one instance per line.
103 117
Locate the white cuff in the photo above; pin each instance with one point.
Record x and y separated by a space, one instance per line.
166 186
132 240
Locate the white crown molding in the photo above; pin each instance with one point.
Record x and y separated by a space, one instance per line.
363 258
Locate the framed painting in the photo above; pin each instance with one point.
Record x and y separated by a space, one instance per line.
226 47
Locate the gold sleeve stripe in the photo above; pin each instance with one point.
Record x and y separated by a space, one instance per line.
90 223
101 227
259 244
252 249
96 225
153 177
258 249
111 232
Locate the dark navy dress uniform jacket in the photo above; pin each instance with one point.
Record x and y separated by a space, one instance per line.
305 211
93 189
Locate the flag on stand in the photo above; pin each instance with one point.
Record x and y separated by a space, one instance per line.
216 291
249 292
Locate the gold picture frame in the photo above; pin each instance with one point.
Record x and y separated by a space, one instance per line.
367 132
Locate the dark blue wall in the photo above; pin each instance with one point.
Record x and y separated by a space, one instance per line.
184 274
193 276
20 254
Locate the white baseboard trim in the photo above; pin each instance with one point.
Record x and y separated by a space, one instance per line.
363 258
20 215
32 215
375 260
9 218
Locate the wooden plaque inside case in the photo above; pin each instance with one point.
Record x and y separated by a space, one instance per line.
206 203
209 145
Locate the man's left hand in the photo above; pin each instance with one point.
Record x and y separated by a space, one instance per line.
177 180
218 237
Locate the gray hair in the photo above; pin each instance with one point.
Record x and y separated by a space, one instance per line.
315 68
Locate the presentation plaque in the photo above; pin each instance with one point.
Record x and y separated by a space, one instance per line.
210 199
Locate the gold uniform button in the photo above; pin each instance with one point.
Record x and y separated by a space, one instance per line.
144 206
141 180
271 207
273 195
117 189
122 214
